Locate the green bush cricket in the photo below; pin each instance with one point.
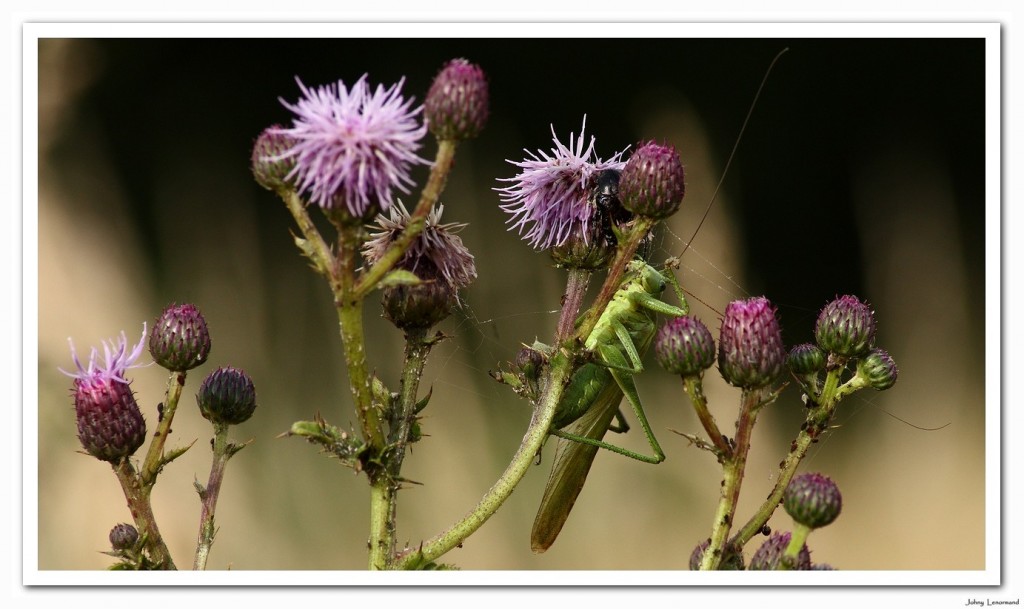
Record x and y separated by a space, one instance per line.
591 401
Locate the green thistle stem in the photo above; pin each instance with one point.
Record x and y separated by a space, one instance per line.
555 380
138 496
155 460
732 478
791 556
695 389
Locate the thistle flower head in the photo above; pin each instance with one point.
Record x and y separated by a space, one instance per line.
123 537
270 170
684 346
812 500
456 106
436 256
653 183
228 396
846 326
180 340
351 147
548 198
769 556
731 559
879 369
750 351
805 359
110 424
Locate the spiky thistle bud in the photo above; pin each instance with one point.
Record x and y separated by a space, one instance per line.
769 556
123 537
750 350
805 359
653 182
684 346
180 340
812 500
731 560
457 104
110 424
846 327
227 396
879 369
269 167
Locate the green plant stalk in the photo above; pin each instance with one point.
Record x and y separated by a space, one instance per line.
416 350
222 451
694 388
796 541
155 455
558 375
732 478
817 419
317 250
138 496
439 171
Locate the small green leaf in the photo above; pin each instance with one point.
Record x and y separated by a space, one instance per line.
399 277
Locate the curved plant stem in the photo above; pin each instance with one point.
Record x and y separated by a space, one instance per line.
559 373
155 459
732 478
695 389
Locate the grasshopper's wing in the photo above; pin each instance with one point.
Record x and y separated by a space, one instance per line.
571 465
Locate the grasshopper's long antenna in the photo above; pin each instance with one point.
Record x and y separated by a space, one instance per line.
732 153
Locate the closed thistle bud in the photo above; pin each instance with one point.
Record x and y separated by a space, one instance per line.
846 327
684 346
750 351
457 104
530 362
110 424
731 560
653 182
180 340
805 359
420 306
812 500
268 167
769 556
123 537
227 396
879 369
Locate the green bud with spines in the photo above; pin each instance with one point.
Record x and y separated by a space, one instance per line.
805 359
812 500
846 327
180 339
653 183
227 396
879 369
684 346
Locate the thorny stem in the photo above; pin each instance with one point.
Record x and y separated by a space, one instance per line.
695 389
732 478
572 300
222 451
155 456
416 350
555 381
315 247
817 421
137 495
417 220
613 280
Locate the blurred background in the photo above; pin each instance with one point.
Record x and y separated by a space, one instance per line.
861 171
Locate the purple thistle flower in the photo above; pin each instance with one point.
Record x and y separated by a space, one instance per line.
351 146
548 199
110 424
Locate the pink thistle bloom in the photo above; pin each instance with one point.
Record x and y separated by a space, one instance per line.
352 146
117 360
548 199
